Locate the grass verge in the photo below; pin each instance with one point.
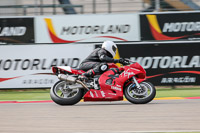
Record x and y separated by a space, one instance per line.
28 94
43 94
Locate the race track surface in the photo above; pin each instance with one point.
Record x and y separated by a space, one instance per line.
101 117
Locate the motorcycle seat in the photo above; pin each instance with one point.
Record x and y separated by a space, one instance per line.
77 69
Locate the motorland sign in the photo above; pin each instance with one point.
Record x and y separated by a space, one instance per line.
87 28
170 26
17 30
166 63
29 66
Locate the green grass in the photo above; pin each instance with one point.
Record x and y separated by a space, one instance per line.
43 94
37 94
178 92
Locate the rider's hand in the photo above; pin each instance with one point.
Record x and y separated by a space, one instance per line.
121 60
126 62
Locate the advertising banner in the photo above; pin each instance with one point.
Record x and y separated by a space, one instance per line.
87 28
165 63
170 26
29 66
17 30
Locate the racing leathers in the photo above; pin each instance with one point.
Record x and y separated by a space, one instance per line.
96 62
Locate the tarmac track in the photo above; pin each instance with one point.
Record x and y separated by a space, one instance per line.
101 117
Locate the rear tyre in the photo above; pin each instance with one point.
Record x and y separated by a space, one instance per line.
136 96
62 95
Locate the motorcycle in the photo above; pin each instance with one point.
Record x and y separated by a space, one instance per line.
112 85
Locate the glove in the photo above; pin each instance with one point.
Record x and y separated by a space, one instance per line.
121 61
118 60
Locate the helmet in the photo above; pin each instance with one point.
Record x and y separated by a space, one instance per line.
110 46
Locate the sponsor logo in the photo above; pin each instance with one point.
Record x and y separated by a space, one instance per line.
175 72
157 33
38 81
111 94
128 74
31 81
79 30
95 29
12 31
119 86
181 27
185 79
168 61
103 93
17 30
37 64
116 88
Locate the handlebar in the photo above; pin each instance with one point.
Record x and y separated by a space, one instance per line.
129 61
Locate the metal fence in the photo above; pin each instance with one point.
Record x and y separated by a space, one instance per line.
49 7
38 9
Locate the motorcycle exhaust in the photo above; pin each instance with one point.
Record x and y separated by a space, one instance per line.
78 81
72 80
75 86
67 78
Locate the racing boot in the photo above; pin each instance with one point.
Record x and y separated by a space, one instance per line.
85 76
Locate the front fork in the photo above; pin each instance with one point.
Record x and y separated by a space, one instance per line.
136 83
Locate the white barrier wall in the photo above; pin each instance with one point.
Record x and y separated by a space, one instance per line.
87 28
29 66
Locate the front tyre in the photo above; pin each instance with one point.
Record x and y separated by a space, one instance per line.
140 96
62 95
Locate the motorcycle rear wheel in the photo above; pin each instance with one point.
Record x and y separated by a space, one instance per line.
63 96
146 95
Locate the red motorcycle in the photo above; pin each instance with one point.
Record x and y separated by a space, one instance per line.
112 85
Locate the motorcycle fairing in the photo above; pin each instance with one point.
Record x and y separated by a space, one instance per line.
113 90
103 95
141 73
130 71
108 92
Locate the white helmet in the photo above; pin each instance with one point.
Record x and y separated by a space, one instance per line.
110 46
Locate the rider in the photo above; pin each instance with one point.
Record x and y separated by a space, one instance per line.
96 62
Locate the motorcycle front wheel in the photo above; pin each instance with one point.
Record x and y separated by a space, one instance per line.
62 95
140 96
